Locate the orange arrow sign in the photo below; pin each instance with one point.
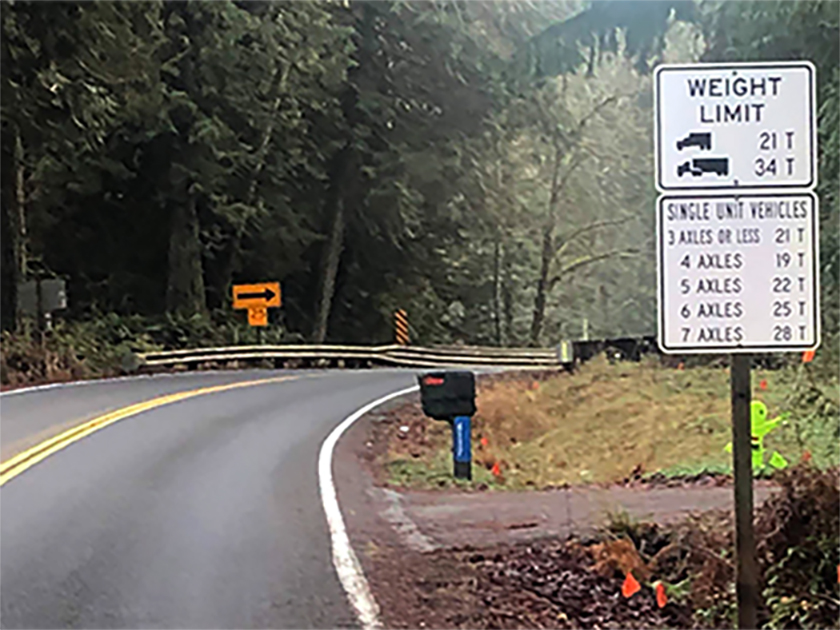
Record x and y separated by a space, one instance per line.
264 294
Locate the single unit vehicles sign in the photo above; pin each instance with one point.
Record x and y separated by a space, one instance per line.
738 273
735 126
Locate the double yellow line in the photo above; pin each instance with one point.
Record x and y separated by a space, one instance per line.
14 466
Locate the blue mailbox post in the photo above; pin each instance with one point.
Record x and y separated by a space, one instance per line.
450 396
462 453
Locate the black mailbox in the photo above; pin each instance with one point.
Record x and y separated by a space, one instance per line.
446 395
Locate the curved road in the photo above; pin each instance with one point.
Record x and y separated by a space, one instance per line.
203 513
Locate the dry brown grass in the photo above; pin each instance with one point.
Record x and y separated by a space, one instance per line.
604 422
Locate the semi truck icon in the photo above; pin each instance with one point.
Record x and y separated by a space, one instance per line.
696 139
698 166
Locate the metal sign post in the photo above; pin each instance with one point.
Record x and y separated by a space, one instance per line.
746 587
737 237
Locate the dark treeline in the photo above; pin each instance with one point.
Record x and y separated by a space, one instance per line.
442 157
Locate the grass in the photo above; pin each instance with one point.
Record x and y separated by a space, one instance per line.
606 422
696 468
436 472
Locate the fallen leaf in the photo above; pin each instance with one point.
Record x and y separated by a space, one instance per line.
620 555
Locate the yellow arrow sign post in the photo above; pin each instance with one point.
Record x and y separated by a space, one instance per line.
257 299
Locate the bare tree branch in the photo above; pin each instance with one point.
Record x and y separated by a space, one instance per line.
579 159
573 137
567 238
588 260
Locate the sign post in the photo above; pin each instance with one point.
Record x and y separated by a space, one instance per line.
737 237
746 587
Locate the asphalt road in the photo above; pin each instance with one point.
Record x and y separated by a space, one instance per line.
204 513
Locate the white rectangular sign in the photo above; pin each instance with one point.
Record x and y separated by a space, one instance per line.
738 273
735 126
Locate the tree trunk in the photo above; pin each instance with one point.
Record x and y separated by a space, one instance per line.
22 256
277 90
16 248
497 306
8 267
547 254
329 265
507 297
542 287
185 286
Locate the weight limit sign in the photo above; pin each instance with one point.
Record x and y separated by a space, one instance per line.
738 273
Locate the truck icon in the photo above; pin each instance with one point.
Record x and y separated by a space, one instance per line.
698 166
695 139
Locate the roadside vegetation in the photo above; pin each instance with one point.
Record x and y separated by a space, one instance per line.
577 583
100 347
613 422
486 166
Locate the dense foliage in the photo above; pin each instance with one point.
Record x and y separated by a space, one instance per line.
485 165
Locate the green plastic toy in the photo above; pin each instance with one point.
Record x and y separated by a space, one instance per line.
760 427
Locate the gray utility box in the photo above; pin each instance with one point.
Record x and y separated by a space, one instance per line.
53 296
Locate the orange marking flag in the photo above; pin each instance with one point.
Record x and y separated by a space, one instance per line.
631 586
661 596
808 356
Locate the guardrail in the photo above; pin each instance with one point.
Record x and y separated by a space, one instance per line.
564 356
295 356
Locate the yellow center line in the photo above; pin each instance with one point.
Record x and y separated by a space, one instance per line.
14 466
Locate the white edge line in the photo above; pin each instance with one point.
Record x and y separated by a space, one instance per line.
346 562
